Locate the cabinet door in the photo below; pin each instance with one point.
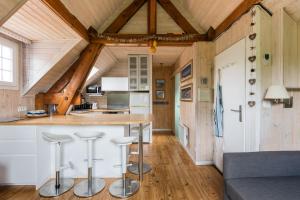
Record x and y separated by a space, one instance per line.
133 73
143 73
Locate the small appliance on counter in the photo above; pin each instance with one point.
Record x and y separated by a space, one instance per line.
36 113
85 106
93 89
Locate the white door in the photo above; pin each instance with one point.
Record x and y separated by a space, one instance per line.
231 66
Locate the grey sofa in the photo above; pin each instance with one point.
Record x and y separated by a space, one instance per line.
262 175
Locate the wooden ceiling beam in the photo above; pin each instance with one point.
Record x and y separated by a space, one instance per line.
152 16
145 38
85 63
61 11
244 7
169 7
125 16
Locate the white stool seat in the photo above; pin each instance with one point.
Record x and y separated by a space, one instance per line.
56 138
123 140
89 135
60 185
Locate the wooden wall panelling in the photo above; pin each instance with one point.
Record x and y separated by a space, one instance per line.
58 69
61 11
8 8
165 23
95 12
124 17
162 112
177 16
280 125
205 52
292 7
36 21
290 52
188 109
210 13
42 57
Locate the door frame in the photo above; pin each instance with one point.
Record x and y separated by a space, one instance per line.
252 114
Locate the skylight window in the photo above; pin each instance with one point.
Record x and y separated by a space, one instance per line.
93 72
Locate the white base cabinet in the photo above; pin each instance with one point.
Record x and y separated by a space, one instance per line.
27 159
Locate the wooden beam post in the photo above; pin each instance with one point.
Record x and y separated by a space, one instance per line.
244 7
125 16
61 11
85 63
177 16
152 16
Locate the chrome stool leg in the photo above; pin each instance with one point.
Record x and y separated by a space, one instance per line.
91 186
54 188
134 167
124 187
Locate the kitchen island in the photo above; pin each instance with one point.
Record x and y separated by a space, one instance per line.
27 159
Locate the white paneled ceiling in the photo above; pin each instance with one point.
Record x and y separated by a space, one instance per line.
210 13
165 55
36 22
7 8
292 7
92 12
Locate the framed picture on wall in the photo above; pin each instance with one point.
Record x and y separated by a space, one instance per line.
186 92
160 84
160 94
187 71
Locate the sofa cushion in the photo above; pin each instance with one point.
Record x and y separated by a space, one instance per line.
271 188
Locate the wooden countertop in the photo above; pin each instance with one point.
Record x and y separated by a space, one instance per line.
99 110
96 119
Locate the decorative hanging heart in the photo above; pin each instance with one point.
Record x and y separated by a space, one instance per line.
252 36
251 103
252 70
252 58
252 81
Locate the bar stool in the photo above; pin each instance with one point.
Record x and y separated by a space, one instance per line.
90 186
134 167
58 186
124 187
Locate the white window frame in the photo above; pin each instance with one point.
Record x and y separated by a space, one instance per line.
15 84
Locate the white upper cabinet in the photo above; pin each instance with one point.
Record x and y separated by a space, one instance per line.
138 66
114 84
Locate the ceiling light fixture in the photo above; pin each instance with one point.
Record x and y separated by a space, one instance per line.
153 46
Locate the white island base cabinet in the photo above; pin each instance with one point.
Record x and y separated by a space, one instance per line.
27 159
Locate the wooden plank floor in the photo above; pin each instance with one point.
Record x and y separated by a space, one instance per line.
174 176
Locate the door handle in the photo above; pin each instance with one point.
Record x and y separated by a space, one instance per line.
240 112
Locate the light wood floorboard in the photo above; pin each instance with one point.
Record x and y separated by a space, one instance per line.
173 177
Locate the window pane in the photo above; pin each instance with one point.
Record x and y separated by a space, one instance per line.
7 76
6 52
7 64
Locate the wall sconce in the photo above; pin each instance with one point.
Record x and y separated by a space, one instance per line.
277 93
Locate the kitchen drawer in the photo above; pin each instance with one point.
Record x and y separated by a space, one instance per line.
14 147
17 133
18 170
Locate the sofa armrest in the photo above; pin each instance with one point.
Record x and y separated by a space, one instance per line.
261 164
